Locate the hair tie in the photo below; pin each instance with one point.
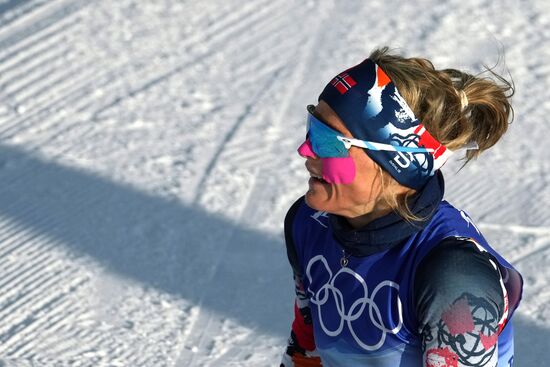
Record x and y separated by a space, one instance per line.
463 99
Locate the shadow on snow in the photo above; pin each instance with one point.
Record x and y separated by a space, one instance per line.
237 272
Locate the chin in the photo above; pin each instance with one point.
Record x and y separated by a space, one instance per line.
311 201
315 202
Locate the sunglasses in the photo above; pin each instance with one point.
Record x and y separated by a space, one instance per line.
329 143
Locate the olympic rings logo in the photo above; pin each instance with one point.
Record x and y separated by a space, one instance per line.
358 307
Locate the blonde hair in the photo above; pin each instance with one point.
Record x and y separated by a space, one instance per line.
457 108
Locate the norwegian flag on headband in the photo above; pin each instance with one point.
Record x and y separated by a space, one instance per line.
343 82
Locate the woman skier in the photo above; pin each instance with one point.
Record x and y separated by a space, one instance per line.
387 273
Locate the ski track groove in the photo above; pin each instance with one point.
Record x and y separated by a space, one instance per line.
20 249
540 235
70 351
227 18
21 242
174 71
237 145
24 296
13 243
49 84
61 314
21 269
247 159
16 9
242 119
57 313
27 57
257 20
22 211
13 77
22 9
55 33
37 307
541 245
269 36
10 181
9 230
37 109
15 54
85 106
72 92
517 229
116 100
268 33
38 70
472 193
230 138
55 303
264 62
244 116
41 296
24 270
50 15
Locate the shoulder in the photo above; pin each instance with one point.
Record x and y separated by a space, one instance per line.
289 238
454 269
291 213
458 253
459 304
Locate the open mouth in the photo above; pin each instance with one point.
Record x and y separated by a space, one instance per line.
318 178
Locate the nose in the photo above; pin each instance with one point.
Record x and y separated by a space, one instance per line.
306 150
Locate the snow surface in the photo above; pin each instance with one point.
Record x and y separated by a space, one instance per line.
147 160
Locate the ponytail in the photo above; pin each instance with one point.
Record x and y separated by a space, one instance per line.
488 109
456 108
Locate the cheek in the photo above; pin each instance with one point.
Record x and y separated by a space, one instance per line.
339 170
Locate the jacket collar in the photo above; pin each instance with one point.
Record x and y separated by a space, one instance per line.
389 230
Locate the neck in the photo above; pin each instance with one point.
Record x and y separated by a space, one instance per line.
363 220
